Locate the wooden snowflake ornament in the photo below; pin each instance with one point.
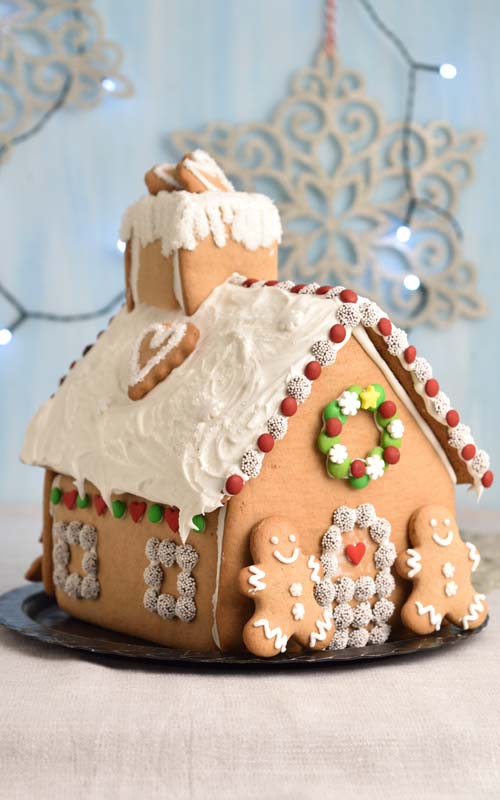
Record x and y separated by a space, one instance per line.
335 168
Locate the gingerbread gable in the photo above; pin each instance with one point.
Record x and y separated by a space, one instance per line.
197 436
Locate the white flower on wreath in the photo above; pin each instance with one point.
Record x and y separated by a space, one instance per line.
337 454
396 429
349 402
374 467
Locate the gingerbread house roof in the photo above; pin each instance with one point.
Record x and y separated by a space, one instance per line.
192 440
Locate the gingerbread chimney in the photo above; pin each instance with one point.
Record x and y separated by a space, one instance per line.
192 231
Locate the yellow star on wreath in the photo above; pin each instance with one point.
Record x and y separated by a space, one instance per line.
369 398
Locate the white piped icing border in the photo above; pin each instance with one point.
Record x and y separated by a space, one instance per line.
353 312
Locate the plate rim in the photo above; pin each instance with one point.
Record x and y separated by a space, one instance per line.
14 615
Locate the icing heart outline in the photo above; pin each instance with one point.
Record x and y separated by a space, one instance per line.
355 552
165 338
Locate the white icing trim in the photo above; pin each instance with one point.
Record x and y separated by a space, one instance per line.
162 172
287 559
473 555
443 542
182 219
221 521
475 608
315 566
434 618
276 633
370 349
176 281
255 579
413 562
323 625
202 164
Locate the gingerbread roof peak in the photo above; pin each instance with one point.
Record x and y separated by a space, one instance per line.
197 436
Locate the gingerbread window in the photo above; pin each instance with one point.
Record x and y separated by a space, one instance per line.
83 586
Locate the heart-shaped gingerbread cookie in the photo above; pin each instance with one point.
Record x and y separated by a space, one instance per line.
158 350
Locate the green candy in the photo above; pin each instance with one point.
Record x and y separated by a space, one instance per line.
199 523
381 393
359 483
339 470
387 441
355 388
118 508
333 410
325 442
383 423
155 513
83 502
55 496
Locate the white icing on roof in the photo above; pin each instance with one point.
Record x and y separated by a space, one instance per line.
181 219
179 444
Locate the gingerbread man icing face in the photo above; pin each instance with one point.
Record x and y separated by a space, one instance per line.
440 564
281 582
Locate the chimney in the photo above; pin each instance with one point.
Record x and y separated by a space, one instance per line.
192 232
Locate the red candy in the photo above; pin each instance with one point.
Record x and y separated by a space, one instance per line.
265 442
333 426
250 282
234 484
270 283
69 499
410 354
136 510
385 326
468 452
432 387
487 479
391 455
323 289
171 515
337 333
296 289
387 409
288 406
452 418
358 468
99 505
348 296
312 370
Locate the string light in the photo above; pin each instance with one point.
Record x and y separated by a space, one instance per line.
411 282
109 85
5 336
448 71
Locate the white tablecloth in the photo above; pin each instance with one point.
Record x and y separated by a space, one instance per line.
73 726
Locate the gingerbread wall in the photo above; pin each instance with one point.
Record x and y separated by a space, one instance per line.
294 482
121 563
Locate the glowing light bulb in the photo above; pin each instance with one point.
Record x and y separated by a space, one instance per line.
448 71
403 234
121 246
108 84
5 336
411 282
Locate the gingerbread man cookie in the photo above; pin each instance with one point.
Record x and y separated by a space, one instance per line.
159 349
198 172
281 582
440 564
161 178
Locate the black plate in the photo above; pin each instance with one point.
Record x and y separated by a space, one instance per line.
30 612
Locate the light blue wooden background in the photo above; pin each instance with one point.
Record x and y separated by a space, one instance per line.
193 61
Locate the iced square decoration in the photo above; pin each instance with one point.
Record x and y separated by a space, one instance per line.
163 554
79 534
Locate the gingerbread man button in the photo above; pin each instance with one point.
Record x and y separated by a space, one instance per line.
440 565
281 583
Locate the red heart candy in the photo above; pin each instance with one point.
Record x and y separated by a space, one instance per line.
69 499
99 505
355 552
172 518
137 510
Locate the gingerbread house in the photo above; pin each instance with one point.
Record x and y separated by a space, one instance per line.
230 434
